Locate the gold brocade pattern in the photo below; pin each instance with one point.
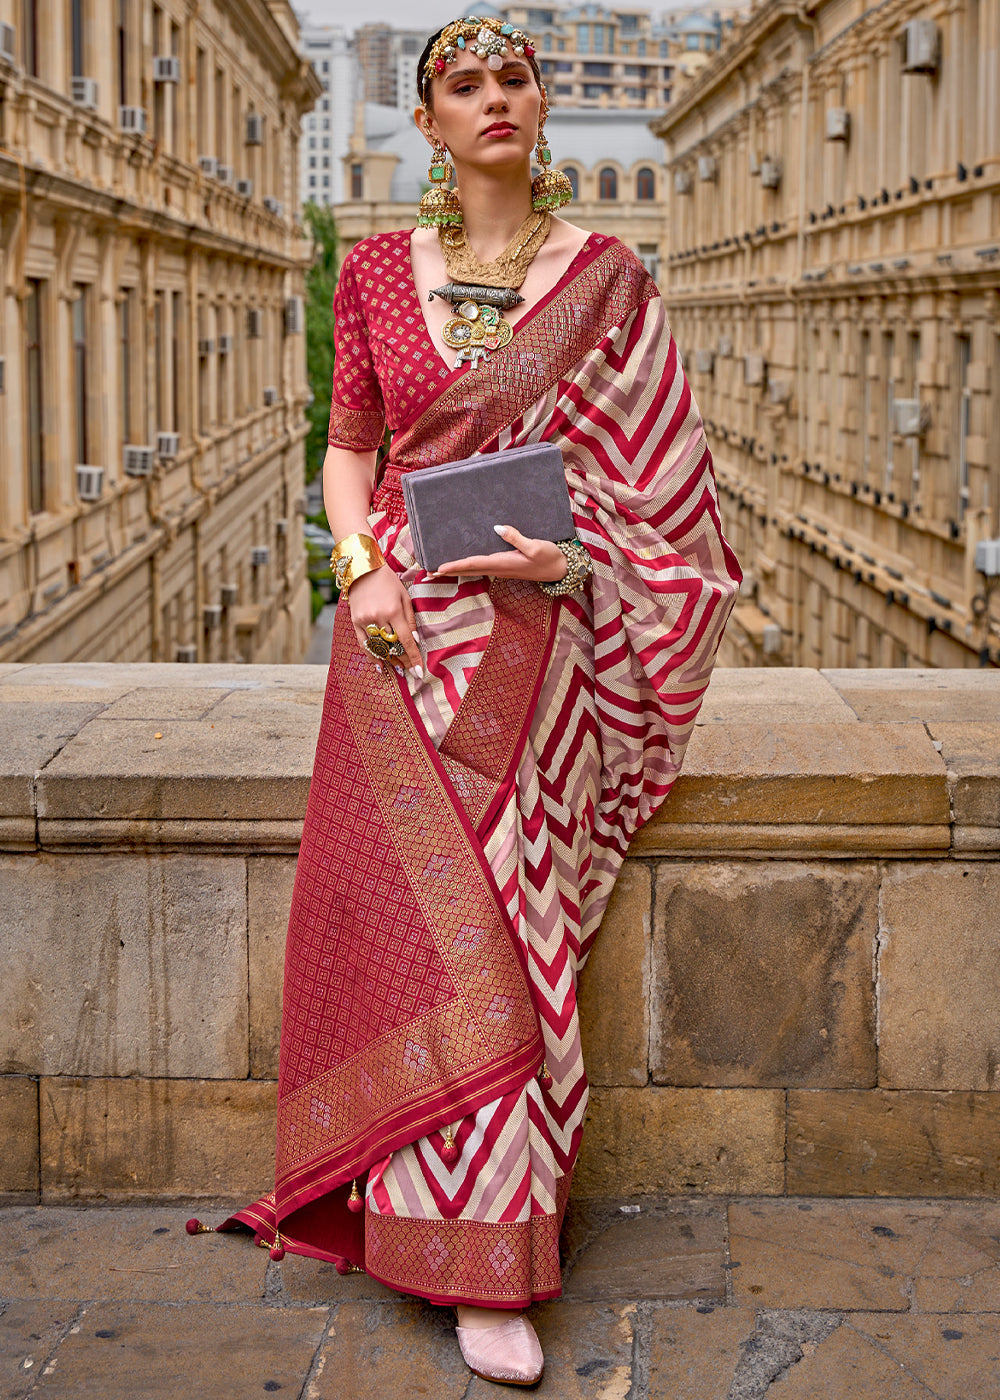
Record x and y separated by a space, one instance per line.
359 430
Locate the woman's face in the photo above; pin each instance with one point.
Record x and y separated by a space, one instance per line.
486 118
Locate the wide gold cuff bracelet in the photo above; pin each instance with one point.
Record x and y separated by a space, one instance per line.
352 558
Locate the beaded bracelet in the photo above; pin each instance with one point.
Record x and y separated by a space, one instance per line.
579 567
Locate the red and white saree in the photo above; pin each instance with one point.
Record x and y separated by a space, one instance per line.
463 833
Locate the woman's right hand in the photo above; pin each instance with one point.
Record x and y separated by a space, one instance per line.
380 598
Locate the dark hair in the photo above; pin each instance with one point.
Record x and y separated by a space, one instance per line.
422 96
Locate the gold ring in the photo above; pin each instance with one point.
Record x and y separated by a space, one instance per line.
382 642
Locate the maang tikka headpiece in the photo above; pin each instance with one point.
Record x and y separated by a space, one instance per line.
486 38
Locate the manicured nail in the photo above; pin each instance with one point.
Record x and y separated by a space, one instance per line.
399 670
378 667
501 529
417 671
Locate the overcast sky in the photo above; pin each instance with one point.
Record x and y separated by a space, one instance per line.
427 15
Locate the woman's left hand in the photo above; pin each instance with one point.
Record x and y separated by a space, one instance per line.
540 561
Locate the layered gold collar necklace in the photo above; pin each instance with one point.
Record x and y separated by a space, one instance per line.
480 293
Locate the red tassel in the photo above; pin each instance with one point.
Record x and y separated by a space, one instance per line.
195 1227
354 1201
277 1250
449 1152
545 1077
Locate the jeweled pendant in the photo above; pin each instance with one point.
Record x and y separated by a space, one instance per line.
457 332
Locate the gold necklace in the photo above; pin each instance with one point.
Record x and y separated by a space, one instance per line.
481 292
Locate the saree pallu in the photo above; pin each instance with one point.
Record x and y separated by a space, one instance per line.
463 832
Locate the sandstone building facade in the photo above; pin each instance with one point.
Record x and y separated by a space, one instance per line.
151 265
834 285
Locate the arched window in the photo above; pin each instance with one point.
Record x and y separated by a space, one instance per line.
607 183
357 181
645 184
573 176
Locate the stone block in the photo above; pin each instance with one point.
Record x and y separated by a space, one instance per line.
120 965
772 695
666 1255
159 1351
830 1255
142 1253
888 1142
395 1351
269 897
614 985
132 1139
29 1334
19 1135
820 774
762 974
930 695
971 752
150 702
960 1269
874 1356
31 734
939 976
693 1355
648 1142
227 769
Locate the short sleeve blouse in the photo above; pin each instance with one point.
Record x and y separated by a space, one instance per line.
357 412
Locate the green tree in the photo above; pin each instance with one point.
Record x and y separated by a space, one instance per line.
321 283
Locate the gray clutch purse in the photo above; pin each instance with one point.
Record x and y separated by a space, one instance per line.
452 508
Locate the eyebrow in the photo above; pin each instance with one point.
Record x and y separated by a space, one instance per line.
512 63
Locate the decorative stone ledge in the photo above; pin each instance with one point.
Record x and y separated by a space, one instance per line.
795 990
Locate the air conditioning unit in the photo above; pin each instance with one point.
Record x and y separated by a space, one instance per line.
255 129
988 558
255 323
166 69
770 173
209 165
245 188
84 93
133 120
754 163
188 654
281 527
753 369
704 361
224 174
212 614
260 555
838 123
89 483
137 461
272 205
270 396
206 346
770 639
293 316
229 594
167 446
225 343
708 168
921 41
910 418
779 390
682 182
725 346
8 37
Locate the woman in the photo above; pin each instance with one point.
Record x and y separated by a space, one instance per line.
488 745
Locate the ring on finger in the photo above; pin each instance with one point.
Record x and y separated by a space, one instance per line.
382 642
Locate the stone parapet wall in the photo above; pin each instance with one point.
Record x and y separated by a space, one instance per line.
796 990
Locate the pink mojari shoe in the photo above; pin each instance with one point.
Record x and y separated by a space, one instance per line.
509 1353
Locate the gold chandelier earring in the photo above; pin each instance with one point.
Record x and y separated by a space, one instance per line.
551 189
439 207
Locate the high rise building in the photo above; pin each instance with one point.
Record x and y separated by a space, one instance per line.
326 130
834 286
152 362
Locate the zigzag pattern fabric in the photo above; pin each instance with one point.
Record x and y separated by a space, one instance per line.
540 738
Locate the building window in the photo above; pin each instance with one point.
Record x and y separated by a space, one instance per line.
641 48
664 48
599 38
29 41
80 309
547 42
357 181
546 66
594 91
649 256
597 70
964 348
645 184
607 183
122 45
76 38
583 38
176 335
564 89
125 360
573 176
564 67
692 41
34 308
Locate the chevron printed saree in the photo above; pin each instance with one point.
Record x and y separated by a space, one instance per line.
463 833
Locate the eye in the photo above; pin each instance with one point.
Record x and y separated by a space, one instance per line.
517 82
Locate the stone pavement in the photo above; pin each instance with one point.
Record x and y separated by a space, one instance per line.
703 1299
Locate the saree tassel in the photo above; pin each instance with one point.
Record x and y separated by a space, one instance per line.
449 1152
545 1076
344 1266
195 1227
354 1201
277 1249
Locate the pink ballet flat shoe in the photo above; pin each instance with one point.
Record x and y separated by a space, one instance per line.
508 1353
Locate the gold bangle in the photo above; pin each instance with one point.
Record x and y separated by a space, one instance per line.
352 558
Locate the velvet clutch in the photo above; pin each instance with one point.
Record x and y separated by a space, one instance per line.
452 508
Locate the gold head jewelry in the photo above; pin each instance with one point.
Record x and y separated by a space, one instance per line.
486 38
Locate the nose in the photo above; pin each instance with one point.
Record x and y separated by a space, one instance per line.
494 95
